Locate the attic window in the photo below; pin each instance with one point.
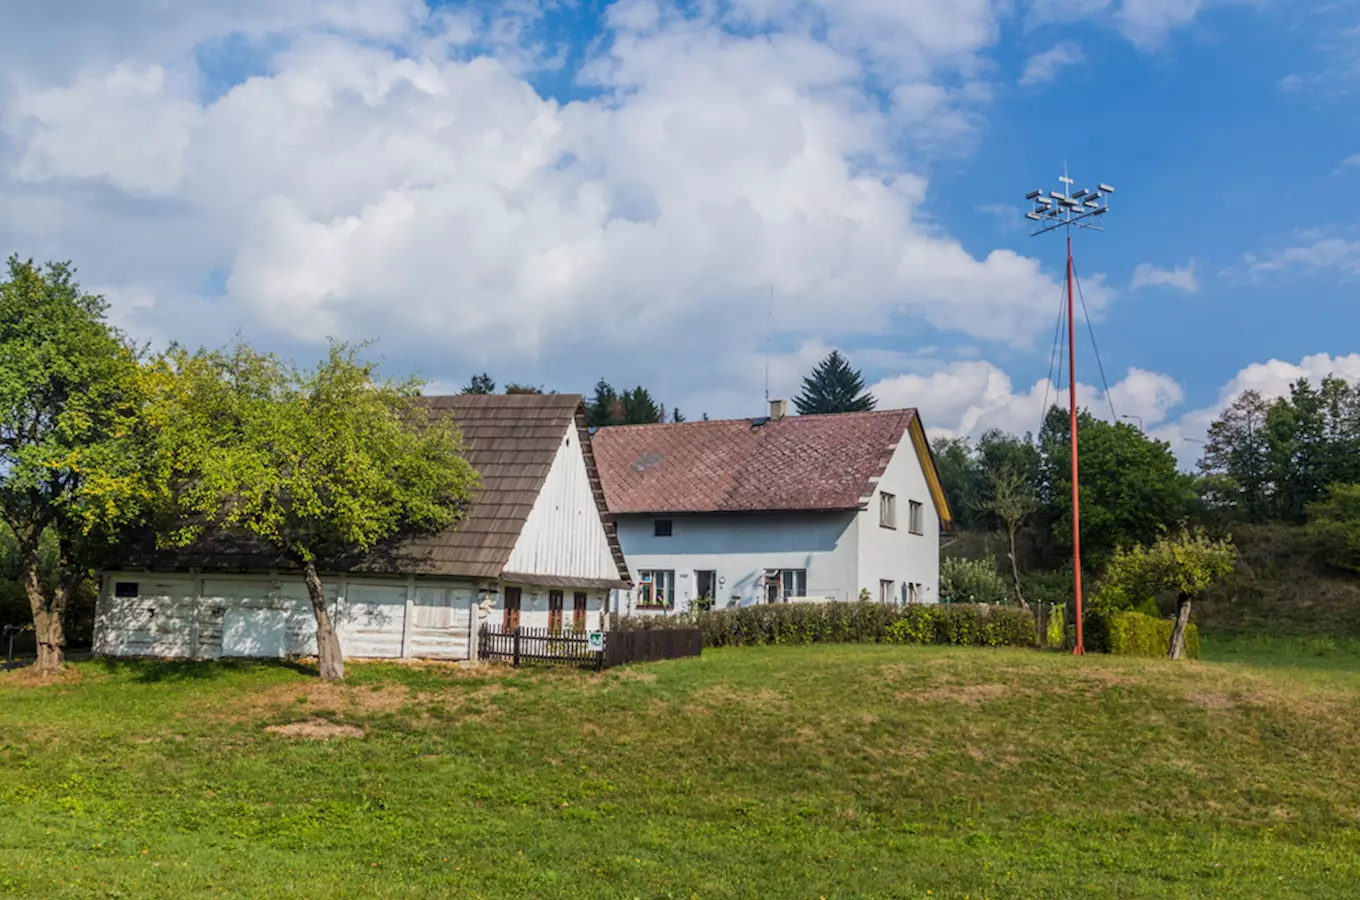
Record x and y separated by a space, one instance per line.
916 515
887 510
662 528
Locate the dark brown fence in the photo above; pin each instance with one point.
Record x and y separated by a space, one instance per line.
541 646
650 645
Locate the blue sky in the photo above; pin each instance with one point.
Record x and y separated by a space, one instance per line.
559 192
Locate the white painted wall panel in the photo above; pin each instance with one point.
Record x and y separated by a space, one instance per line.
159 621
372 619
442 622
563 534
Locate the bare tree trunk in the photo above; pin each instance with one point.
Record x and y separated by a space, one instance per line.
328 657
48 618
1015 573
1178 633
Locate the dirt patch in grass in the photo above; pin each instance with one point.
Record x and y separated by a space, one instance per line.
316 730
967 694
634 675
30 677
725 696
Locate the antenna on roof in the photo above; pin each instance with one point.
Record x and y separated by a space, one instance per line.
769 330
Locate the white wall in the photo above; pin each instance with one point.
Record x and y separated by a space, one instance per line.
897 554
740 547
215 615
533 607
563 534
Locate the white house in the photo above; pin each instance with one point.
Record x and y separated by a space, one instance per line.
534 549
782 508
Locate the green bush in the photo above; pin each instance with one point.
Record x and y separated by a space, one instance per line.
1057 627
849 623
1134 634
972 581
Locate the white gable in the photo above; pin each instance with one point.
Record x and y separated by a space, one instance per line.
564 535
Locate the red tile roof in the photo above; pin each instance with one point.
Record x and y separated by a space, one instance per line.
740 465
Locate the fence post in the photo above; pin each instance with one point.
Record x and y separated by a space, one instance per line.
516 646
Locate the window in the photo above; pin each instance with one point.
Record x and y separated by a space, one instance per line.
662 528
125 589
913 593
887 510
656 588
915 512
886 590
512 598
794 582
578 612
555 612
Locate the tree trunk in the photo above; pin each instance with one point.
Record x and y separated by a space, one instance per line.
1015 574
48 618
328 657
1178 633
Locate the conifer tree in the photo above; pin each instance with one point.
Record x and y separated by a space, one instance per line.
833 387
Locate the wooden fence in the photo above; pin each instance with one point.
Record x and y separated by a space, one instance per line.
541 646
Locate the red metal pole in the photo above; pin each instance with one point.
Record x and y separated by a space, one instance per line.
1080 648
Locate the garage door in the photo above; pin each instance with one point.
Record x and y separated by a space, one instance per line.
371 620
147 615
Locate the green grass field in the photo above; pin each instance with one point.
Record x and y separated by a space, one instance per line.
846 771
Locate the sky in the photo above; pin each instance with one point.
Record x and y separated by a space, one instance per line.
689 196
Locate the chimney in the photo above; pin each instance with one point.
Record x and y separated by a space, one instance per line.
777 410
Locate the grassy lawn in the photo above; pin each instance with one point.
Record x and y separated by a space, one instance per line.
769 772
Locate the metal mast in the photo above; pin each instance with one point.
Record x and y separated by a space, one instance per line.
1068 210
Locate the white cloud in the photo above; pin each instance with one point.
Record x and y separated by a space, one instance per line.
968 398
1350 162
1270 379
1044 67
1145 23
1324 253
362 188
1182 279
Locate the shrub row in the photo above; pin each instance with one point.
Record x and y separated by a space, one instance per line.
850 623
1134 634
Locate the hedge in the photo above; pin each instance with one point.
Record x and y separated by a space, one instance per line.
1135 634
850 623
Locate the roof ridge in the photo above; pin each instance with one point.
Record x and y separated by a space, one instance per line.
766 419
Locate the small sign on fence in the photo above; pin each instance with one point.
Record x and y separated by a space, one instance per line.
595 641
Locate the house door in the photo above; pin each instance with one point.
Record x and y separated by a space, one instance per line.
578 612
512 598
705 588
555 612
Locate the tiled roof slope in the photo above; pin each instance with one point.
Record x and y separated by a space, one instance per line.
741 465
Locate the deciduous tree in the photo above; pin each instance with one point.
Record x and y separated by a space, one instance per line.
70 419
1011 500
320 467
1186 563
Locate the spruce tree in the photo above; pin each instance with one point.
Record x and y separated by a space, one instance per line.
833 387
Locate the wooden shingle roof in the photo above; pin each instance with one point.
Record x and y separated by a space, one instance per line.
511 440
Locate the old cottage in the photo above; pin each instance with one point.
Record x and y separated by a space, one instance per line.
534 549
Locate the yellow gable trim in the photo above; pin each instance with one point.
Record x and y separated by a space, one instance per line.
927 460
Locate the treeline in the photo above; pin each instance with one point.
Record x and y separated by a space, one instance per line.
606 406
